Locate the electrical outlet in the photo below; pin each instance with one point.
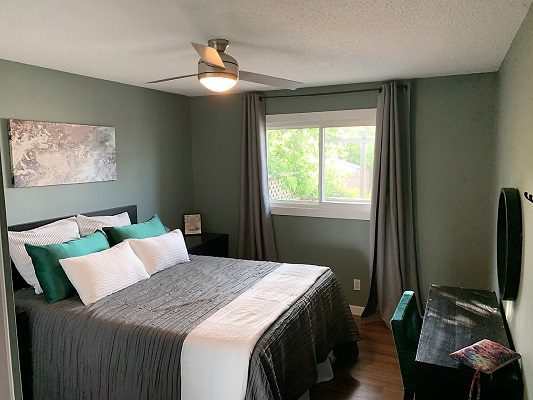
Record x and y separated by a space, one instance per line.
356 284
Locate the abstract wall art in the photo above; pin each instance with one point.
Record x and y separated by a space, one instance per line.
52 153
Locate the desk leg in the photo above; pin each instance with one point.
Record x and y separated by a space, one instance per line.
434 382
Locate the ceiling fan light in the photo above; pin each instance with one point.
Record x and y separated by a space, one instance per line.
218 83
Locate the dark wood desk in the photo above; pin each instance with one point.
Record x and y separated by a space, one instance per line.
455 318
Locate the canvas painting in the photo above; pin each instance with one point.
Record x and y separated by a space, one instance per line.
52 153
193 224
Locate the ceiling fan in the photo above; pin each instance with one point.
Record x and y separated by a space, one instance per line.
219 71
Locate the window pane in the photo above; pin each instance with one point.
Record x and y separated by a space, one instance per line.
293 164
349 159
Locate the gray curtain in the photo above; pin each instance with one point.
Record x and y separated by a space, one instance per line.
256 236
393 266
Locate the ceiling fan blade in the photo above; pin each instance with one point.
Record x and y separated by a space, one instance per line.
171 79
208 54
269 80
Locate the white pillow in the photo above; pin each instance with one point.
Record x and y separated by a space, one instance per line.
56 232
90 225
160 252
98 275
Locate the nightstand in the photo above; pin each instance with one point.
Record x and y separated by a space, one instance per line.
208 244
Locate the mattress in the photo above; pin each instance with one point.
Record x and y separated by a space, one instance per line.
128 345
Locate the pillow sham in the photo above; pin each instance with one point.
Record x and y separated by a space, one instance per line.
55 232
98 275
90 225
152 227
50 274
160 252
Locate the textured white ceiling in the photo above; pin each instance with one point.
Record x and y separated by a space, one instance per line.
313 41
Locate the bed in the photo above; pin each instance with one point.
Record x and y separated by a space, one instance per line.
127 345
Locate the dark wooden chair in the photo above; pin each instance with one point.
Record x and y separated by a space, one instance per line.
406 326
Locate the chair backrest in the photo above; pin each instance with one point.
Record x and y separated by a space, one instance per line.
406 326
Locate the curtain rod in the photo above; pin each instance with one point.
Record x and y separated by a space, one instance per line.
325 93
322 94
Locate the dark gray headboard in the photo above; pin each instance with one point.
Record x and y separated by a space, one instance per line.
18 281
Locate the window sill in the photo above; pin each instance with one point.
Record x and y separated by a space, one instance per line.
334 210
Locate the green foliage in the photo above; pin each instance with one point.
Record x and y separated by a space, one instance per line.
293 162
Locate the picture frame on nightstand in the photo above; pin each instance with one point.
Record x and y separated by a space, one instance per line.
192 224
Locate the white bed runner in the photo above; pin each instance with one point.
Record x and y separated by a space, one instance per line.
216 354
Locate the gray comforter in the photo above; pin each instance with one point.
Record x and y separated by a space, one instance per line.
127 345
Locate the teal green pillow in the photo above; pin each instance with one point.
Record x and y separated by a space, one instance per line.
152 227
50 274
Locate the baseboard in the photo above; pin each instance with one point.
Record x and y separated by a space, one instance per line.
356 310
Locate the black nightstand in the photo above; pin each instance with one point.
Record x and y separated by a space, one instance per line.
208 244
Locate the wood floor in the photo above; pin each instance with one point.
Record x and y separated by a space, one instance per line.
375 376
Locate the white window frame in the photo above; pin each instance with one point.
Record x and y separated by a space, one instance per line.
322 120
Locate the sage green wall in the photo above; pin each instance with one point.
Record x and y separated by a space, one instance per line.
453 146
340 244
216 137
515 169
152 141
453 122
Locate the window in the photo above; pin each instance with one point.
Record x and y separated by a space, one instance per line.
320 164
